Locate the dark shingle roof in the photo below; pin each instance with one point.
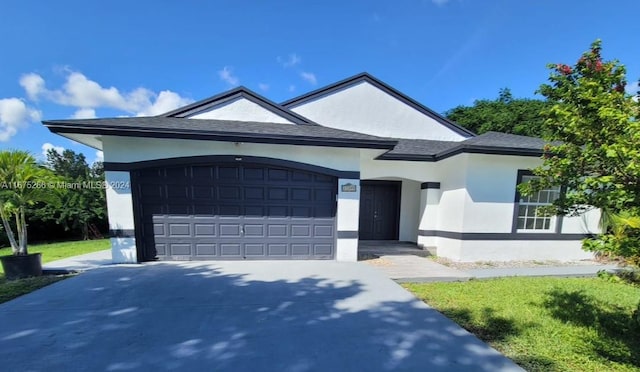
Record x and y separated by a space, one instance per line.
497 139
415 149
220 130
309 135
487 143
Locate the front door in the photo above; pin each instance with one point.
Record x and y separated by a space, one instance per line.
379 210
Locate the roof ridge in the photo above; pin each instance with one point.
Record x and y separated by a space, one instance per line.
240 91
365 76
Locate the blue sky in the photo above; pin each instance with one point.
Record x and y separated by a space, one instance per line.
62 59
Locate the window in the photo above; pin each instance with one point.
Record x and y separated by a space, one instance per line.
529 217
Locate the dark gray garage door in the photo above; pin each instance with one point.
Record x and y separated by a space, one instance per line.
235 211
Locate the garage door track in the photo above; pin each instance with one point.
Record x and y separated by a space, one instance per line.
234 316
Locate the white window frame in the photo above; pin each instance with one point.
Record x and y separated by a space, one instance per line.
529 204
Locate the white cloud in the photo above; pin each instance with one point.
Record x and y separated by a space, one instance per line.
263 87
439 2
99 156
226 75
292 60
84 113
48 146
33 84
15 115
165 102
309 77
86 95
633 88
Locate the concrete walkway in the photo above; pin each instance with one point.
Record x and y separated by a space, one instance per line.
80 263
403 262
403 266
410 268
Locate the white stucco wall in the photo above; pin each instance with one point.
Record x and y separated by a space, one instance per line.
241 109
409 211
120 213
364 108
347 220
453 194
499 250
491 187
127 149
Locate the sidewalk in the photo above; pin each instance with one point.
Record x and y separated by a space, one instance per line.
410 268
79 263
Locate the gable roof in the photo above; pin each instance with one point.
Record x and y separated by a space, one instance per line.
365 77
239 92
220 130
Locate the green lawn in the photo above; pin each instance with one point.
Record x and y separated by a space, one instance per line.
50 252
56 251
546 324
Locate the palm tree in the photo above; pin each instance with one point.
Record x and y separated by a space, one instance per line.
23 183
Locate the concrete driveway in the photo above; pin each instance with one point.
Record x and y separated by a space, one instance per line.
235 316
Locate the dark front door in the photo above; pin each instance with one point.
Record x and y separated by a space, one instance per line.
379 210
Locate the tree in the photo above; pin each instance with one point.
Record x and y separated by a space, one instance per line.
505 114
82 197
594 152
23 183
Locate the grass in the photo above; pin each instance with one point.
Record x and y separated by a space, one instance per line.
546 324
16 288
56 251
50 252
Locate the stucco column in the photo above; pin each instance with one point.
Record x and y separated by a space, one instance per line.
347 219
429 201
121 221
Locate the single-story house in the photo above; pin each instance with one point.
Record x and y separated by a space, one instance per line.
237 176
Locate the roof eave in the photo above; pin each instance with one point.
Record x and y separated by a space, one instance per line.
217 136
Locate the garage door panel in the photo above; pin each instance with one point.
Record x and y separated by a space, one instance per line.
277 211
237 212
179 230
202 230
179 249
254 174
232 210
277 194
298 231
323 231
323 212
255 249
230 250
322 249
228 173
254 211
229 193
206 249
203 192
275 249
301 249
229 230
253 193
177 173
202 173
277 174
252 230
